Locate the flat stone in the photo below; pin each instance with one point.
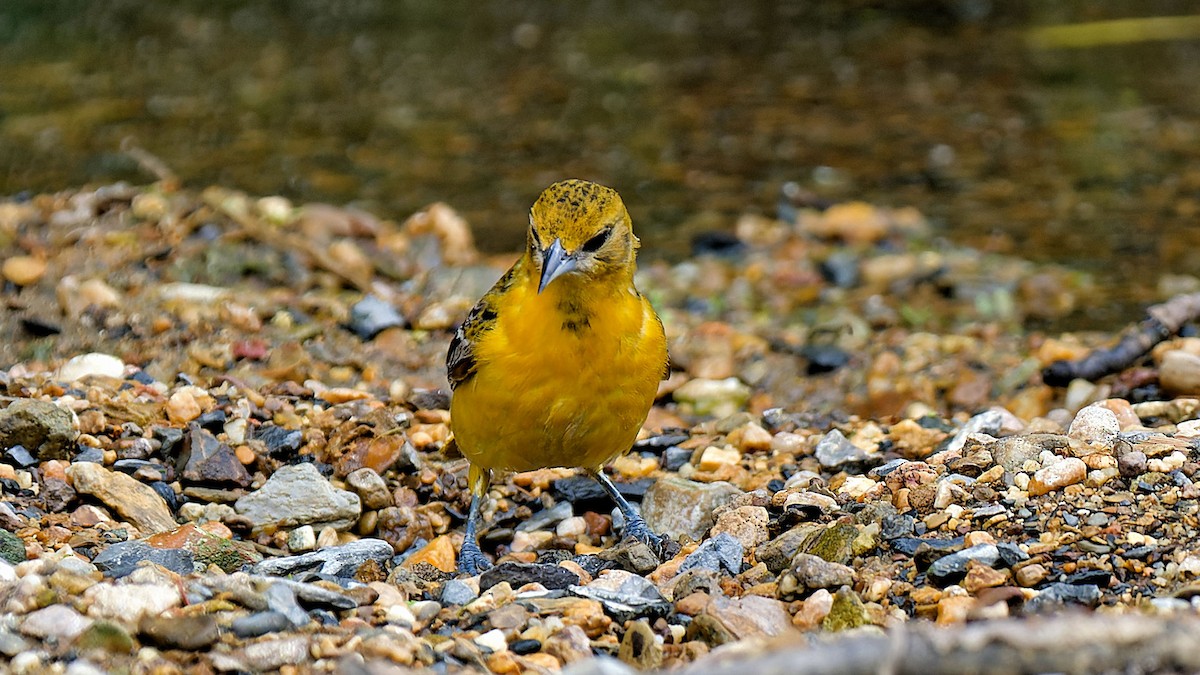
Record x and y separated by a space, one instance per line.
518 574
271 654
1056 596
130 602
260 623
297 495
132 500
457 592
122 558
951 568
61 622
747 524
625 595
371 315
78 367
1066 471
336 561
813 572
44 429
630 555
310 595
188 632
678 507
777 554
751 616
12 548
280 598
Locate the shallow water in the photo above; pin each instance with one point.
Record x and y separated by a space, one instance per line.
695 113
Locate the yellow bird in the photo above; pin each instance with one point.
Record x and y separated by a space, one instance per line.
558 364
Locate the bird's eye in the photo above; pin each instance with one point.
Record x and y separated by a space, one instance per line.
592 245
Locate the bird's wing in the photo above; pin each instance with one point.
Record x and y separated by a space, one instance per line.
460 359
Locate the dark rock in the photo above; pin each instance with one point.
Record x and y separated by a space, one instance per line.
951 568
547 518
169 438
281 443
88 454
208 461
1139 552
132 466
1056 596
910 545
586 494
336 561
721 552
1092 577
522 647
167 493
841 268
1010 554
19 457
717 243
57 494
213 420
122 558
44 429
660 442
835 450
1132 464
675 457
188 632
518 574
824 358
429 399
884 469
141 377
259 623
777 554
372 315
812 572
894 527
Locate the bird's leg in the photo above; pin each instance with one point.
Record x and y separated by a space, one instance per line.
635 525
471 559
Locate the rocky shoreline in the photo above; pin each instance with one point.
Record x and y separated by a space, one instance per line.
224 449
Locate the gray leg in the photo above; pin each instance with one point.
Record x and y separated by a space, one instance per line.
471 559
635 525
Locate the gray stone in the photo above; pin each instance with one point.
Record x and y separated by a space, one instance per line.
336 561
455 592
988 422
298 495
312 595
180 632
1012 452
625 595
834 450
1056 596
271 654
814 572
122 558
723 551
60 622
678 507
518 574
371 487
371 315
951 568
280 598
43 428
260 623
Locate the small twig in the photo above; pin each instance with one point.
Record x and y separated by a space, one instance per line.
150 163
1162 322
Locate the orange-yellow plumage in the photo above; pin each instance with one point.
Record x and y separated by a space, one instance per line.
559 363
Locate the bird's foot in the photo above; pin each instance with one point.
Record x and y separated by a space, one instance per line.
636 528
471 560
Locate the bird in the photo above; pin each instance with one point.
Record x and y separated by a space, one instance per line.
559 363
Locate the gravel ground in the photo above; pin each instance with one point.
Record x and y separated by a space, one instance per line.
224 448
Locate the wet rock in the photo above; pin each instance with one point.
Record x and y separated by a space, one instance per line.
678 507
372 315
834 450
721 552
60 622
46 430
518 574
298 495
134 501
188 632
625 595
336 561
208 461
260 623
122 558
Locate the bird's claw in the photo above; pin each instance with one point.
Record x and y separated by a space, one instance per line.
637 529
471 560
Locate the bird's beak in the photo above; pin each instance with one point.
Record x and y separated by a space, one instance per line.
555 263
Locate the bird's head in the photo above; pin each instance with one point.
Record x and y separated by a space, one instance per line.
577 227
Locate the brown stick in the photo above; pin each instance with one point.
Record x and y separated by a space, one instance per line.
1161 322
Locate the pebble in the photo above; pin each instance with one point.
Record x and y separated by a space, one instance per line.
208 461
297 495
336 561
1179 373
129 602
93 364
951 568
44 429
122 558
834 451
134 501
715 398
678 507
60 622
371 488
1066 471
625 595
749 525
260 623
1096 425
23 270
457 592
275 653
518 574
372 315
722 551
812 572
190 632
